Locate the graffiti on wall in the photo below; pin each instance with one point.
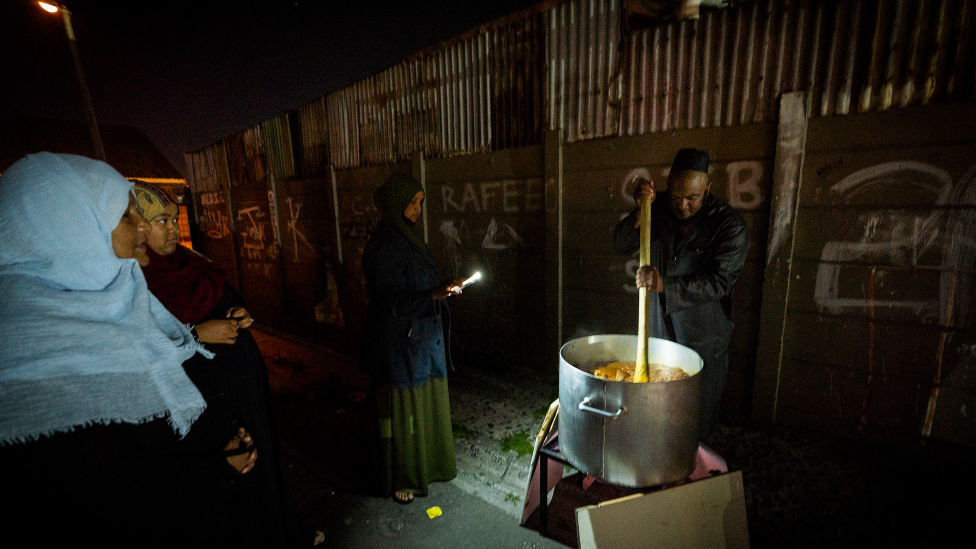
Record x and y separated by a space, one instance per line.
273 209
357 229
214 221
500 238
511 196
362 204
360 224
294 209
500 200
453 242
741 180
258 248
941 233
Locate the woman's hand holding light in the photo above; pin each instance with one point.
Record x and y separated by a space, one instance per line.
451 288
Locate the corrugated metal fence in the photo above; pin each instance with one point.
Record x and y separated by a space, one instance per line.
575 66
728 67
578 67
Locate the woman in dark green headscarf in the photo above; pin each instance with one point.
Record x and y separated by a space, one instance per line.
405 345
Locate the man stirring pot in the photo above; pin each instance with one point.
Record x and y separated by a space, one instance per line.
698 250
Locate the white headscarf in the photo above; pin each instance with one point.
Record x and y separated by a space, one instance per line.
82 340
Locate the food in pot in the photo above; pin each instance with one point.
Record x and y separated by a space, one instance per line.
624 371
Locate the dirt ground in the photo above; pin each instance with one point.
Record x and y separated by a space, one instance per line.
324 396
802 490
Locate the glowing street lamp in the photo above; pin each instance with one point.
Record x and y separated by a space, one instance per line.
89 111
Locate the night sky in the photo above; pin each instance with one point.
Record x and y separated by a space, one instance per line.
190 73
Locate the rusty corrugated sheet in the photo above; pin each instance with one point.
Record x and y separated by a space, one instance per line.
371 98
415 108
245 157
343 128
584 72
278 155
437 104
517 73
728 67
568 64
474 95
207 169
466 90
313 125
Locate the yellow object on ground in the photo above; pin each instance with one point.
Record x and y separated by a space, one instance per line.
434 512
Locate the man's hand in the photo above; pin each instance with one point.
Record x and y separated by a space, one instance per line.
650 278
218 331
644 189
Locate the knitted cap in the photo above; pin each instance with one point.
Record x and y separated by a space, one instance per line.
690 159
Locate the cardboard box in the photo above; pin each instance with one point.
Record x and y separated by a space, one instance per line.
707 513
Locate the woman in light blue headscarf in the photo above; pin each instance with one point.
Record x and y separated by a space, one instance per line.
96 412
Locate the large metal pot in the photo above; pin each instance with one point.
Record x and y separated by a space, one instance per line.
629 434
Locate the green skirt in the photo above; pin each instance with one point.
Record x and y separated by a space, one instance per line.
416 443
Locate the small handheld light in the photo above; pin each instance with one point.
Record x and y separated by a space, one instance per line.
467 282
471 280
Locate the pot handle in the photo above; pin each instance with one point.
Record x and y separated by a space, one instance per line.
584 408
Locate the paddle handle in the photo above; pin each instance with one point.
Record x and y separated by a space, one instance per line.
644 305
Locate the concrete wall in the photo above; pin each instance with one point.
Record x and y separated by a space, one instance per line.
486 213
868 306
310 266
256 232
599 296
853 314
213 230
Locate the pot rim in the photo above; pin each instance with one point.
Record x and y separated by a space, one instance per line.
666 342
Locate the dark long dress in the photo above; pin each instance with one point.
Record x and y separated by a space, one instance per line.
238 377
405 352
119 485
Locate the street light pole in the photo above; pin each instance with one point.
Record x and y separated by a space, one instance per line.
89 110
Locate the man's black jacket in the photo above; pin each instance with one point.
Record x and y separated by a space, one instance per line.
699 270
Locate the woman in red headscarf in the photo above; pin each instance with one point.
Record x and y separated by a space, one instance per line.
198 293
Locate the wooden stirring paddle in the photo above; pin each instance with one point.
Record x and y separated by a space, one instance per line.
644 305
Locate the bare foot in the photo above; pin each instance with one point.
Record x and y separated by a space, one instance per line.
402 497
319 537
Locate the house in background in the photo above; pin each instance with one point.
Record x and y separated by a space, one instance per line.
127 149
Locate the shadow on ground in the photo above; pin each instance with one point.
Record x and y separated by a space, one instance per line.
801 489
805 490
322 406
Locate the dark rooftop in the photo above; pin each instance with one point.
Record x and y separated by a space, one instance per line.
127 149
